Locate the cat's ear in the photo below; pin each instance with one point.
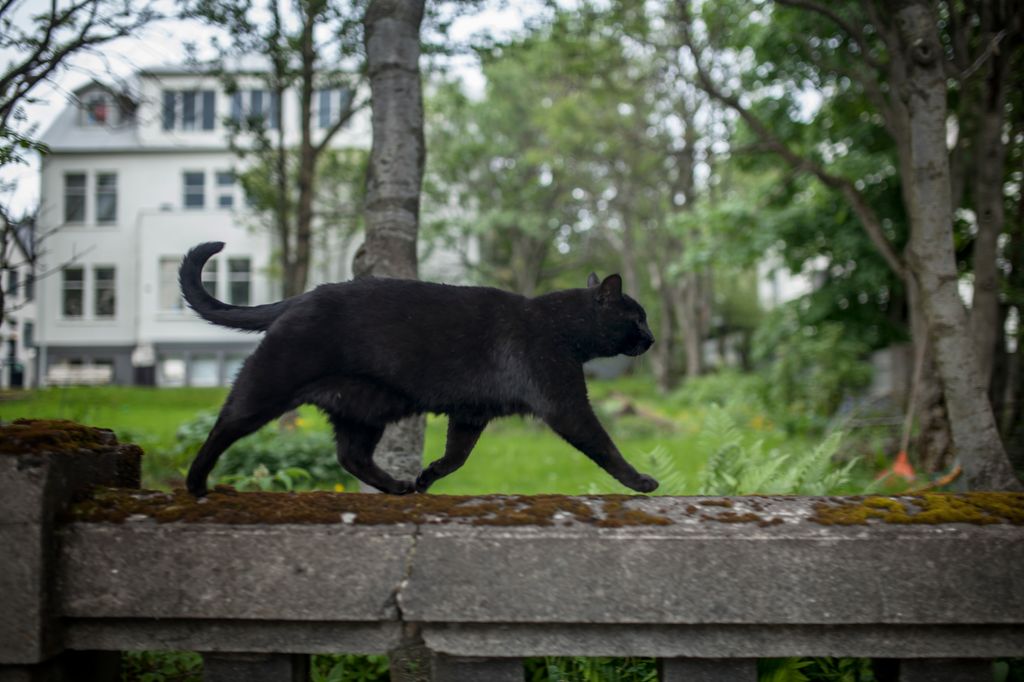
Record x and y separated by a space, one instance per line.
610 289
592 280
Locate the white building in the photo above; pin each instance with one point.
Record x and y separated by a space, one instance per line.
17 328
129 185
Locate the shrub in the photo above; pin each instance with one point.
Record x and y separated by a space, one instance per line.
294 459
808 370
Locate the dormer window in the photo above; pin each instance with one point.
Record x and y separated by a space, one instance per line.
99 109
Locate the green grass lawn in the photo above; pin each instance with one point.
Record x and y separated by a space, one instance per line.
514 455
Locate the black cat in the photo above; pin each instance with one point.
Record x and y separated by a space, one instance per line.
372 351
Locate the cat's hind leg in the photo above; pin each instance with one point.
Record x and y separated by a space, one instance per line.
462 436
356 443
237 418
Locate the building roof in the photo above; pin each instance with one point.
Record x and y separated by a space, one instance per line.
65 135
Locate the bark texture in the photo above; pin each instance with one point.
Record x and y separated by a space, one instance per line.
395 175
394 178
931 255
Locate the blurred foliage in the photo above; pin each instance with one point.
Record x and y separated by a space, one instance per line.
272 458
161 666
599 669
808 370
349 668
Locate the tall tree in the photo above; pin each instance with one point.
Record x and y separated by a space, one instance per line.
391 34
895 57
315 51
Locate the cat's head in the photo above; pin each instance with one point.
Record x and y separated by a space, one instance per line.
621 321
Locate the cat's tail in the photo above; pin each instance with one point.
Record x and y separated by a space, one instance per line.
247 318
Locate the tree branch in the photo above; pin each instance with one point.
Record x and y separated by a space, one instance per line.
342 120
868 219
849 29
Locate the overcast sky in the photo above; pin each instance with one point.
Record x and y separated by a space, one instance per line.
164 42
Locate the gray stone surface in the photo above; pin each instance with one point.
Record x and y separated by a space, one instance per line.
252 667
34 489
232 635
946 670
785 574
712 641
476 669
269 572
707 670
697 588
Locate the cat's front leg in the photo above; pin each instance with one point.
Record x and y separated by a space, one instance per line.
579 426
462 436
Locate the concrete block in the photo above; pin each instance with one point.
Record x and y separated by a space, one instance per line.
35 487
254 667
707 670
706 574
251 572
466 669
716 641
180 634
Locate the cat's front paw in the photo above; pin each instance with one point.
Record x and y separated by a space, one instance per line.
423 482
402 488
644 484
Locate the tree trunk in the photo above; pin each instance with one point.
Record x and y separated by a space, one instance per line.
931 255
393 181
934 444
307 154
663 351
395 175
988 197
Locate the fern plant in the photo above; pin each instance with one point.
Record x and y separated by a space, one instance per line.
736 466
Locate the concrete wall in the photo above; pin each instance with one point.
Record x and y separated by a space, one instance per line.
707 584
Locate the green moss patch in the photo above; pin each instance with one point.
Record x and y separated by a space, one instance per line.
36 436
979 508
226 505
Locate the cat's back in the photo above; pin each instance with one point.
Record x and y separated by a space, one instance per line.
381 306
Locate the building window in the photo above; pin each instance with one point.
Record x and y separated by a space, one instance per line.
195 189
30 286
98 109
73 294
205 370
259 106
225 189
169 109
171 370
103 370
28 334
210 271
189 109
74 197
170 294
106 198
12 283
105 283
232 366
329 105
239 281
